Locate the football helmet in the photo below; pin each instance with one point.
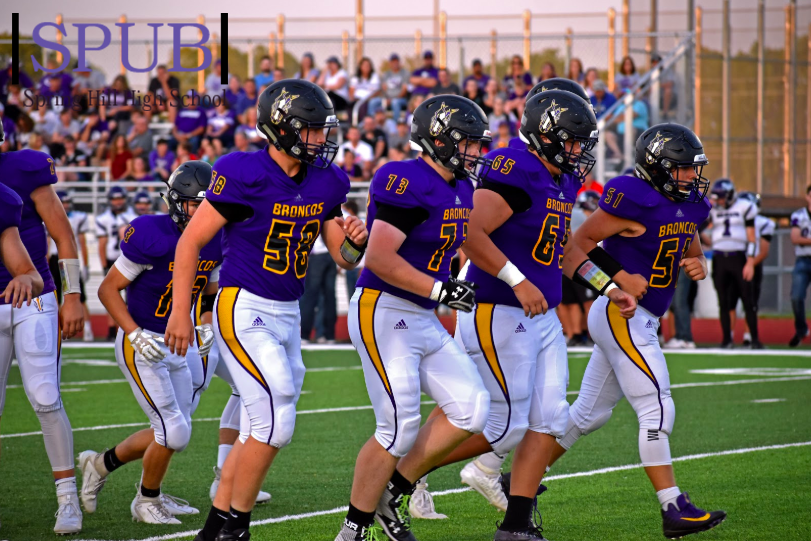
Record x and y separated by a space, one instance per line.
187 183
723 188
2 132
588 200
65 197
661 150
441 123
117 198
290 106
559 83
752 197
142 202
562 118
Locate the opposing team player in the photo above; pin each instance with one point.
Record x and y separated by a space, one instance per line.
801 275
34 331
418 215
272 204
162 381
733 257
648 222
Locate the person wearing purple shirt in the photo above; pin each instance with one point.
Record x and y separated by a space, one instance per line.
55 91
478 75
248 99
424 79
648 224
222 124
516 71
234 92
161 160
5 80
190 122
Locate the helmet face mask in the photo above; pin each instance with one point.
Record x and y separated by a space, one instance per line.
664 155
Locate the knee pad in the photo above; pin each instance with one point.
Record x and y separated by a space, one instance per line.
178 433
660 414
399 442
470 416
552 420
43 392
572 434
596 423
509 440
654 447
231 413
58 437
284 422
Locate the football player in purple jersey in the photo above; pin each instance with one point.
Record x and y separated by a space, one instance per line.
271 205
648 225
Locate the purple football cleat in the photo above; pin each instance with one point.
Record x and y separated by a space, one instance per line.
688 519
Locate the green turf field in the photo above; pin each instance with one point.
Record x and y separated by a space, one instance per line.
767 492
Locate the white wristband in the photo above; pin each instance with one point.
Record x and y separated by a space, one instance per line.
511 275
609 287
750 249
134 334
70 271
435 291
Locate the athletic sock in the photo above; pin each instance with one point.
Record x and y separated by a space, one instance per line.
518 515
222 454
668 496
237 520
490 462
214 523
111 461
150 492
359 518
401 483
422 480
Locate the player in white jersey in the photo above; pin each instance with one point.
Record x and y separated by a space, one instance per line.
801 275
733 257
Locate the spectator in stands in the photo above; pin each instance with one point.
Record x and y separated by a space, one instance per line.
65 79
336 82
592 75
516 72
667 84
478 76
16 100
242 144
167 86
221 124
444 84
46 120
184 154
278 74
161 160
576 72
374 137
207 151
10 129
413 103
641 122
5 81
517 98
491 92
401 138
234 91
36 142
190 123
89 79
71 157
627 78
120 158
548 71
352 169
265 75
319 286
95 133
394 85
500 115
68 125
248 98
140 136
396 154
384 123
365 83
502 136
602 99
119 107
140 171
424 79
214 86
58 96
364 154
475 94
248 128
307 69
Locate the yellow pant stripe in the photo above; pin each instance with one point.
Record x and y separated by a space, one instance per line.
225 320
366 317
129 360
621 329
484 332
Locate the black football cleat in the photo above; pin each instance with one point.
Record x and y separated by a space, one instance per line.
530 534
236 535
684 518
796 339
353 532
393 515
757 344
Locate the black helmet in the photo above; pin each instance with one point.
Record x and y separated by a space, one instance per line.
559 83
661 150
563 118
440 123
187 183
588 200
293 105
752 197
723 189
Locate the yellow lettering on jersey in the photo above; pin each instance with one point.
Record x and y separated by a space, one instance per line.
456 213
171 266
219 185
677 228
128 233
298 211
559 206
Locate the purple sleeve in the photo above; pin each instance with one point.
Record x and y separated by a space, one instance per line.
152 156
228 180
39 170
391 187
11 207
620 198
137 241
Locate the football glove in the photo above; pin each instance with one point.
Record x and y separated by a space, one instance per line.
146 344
206 334
458 294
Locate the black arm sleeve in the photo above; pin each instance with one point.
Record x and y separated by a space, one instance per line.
404 219
207 303
767 238
233 212
517 198
750 223
334 213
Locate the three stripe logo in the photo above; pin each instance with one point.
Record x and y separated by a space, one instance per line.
401 326
258 322
520 328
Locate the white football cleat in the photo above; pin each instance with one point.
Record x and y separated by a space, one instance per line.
262 497
675 343
421 504
485 483
150 511
92 480
68 516
177 506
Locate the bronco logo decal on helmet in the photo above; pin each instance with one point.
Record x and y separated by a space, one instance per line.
655 147
441 119
281 106
551 114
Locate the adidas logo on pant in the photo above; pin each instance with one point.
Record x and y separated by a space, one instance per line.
520 328
649 324
401 326
258 322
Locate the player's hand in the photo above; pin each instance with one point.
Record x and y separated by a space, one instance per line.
694 267
206 331
633 284
146 344
458 294
71 316
749 270
354 229
625 301
531 299
19 289
179 333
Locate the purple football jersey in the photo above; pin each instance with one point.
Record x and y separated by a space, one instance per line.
24 171
11 208
532 240
670 227
517 143
151 240
430 246
268 253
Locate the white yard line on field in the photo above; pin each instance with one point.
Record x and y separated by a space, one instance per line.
338 510
768 400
